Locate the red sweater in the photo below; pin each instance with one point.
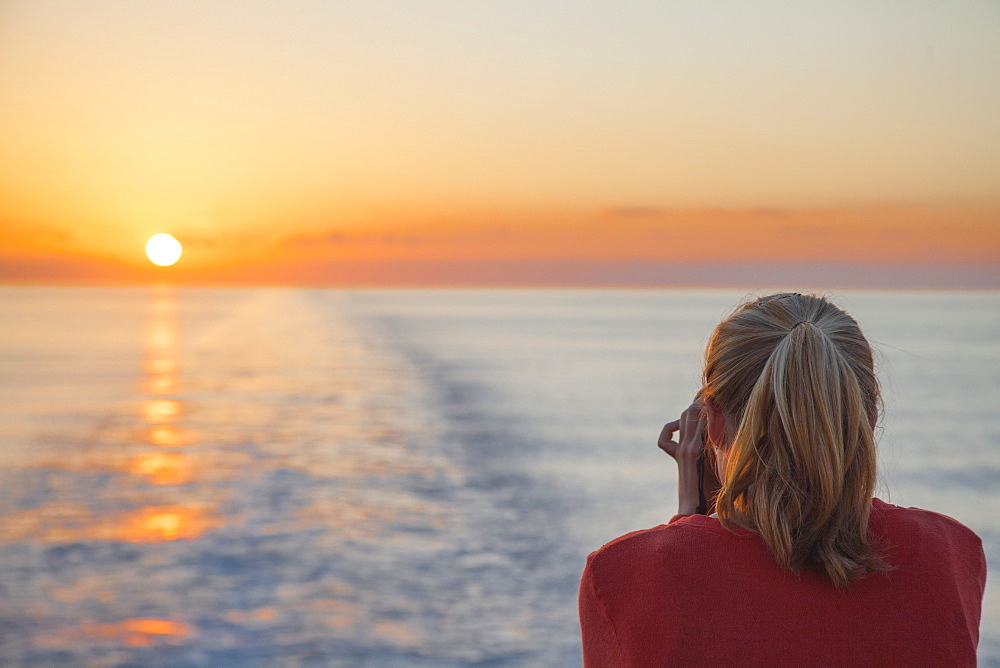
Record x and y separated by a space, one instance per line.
693 593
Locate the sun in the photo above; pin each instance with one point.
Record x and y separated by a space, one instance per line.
163 250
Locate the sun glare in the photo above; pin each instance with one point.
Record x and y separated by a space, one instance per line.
163 250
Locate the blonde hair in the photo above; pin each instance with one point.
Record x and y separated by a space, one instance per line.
794 375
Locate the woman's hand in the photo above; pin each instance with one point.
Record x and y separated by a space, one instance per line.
685 450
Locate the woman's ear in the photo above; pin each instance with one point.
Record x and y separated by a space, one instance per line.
716 425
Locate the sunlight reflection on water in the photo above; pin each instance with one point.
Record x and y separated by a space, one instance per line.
275 492
71 523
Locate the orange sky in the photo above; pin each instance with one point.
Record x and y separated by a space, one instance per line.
381 142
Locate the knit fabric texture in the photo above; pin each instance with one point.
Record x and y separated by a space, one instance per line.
692 592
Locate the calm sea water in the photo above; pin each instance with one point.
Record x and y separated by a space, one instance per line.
196 477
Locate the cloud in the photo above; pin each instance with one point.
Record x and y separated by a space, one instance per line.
328 239
633 212
770 212
335 238
806 231
198 239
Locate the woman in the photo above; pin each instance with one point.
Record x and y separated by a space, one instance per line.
798 564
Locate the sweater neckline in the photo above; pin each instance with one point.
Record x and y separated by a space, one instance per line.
877 505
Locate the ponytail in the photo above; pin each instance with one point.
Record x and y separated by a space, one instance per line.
795 376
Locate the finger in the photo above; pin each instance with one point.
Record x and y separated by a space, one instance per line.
699 433
688 424
668 431
666 442
693 412
692 431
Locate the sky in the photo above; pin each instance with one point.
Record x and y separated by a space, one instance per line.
472 143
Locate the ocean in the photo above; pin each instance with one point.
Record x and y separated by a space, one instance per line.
394 477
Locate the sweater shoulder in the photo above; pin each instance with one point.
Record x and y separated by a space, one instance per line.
627 541
920 521
682 533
